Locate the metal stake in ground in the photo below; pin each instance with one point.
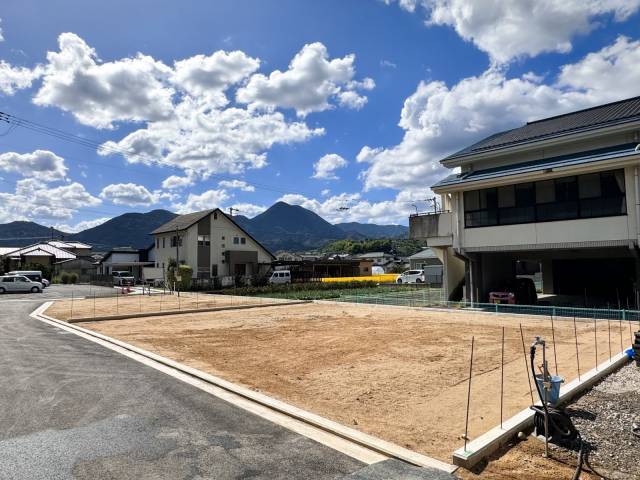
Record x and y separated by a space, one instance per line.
595 339
502 378
575 334
526 365
609 326
553 339
466 420
621 347
71 314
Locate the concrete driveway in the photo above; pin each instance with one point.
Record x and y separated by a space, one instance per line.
70 408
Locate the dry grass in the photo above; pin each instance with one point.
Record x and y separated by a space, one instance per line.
399 374
120 304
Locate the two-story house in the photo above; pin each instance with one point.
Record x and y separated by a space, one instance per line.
212 244
562 192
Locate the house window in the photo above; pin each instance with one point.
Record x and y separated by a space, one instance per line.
223 245
163 239
163 265
243 240
203 241
585 196
157 243
215 215
236 240
214 270
176 240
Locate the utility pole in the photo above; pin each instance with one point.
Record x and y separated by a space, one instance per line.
231 210
177 247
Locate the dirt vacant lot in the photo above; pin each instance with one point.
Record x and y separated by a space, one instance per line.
400 374
122 304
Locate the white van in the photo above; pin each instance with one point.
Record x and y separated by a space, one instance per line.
33 275
280 277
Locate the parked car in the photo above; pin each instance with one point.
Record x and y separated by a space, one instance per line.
520 291
33 275
19 283
411 276
280 277
121 279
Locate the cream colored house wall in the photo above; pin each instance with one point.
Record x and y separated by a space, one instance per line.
221 239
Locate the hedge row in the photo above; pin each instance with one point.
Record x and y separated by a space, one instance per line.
297 287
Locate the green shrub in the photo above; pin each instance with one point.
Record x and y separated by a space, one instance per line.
294 288
64 278
185 272
73 278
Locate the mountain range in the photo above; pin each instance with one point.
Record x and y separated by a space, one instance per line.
280 227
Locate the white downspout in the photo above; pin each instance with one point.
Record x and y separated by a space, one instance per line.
637 194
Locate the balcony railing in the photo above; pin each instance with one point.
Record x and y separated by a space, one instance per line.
434 227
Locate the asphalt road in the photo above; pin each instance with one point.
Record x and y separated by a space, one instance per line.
70 408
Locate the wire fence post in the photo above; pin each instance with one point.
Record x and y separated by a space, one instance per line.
553 339
575 334
117 303
466 421
94 305
141 295
526 366
502 379
595 339
621 347
609 326
71 313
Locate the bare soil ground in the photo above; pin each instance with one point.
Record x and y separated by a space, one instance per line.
400 374
122 304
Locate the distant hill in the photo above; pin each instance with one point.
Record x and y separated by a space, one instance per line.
371 230
19 234
290 227
129 229
280 227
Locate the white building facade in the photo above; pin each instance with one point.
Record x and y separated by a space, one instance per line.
560 192
212 244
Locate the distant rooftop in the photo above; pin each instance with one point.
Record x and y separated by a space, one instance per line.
182 222
596 117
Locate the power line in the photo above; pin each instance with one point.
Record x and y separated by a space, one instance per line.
15 122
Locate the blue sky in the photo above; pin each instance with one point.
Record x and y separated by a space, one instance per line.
327 104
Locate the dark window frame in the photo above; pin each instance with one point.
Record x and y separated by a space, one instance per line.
527 209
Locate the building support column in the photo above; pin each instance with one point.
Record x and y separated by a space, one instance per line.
547 276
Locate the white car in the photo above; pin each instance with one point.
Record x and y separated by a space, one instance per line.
280 277
120 279
19 283
411 276
33 275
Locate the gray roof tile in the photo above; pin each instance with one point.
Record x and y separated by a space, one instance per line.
600 116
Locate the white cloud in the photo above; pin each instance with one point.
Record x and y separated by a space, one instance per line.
327 165
237 184
249 209
80 226
325 192
611 73
16 78
211 75
34 199
333 210
98 94
208 141
1 35
174 182
309 84
41 164
203 201
388 64
438 120
352 100
129 194
507 29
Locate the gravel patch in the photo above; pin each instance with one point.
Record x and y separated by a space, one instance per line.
605 417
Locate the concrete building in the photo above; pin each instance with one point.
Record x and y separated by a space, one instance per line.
561 192
127 259
428 261
212 244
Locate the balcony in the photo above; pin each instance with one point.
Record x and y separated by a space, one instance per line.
435 228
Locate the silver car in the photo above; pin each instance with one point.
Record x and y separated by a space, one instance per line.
18 283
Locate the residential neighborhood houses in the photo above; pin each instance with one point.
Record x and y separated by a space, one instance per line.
560 192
